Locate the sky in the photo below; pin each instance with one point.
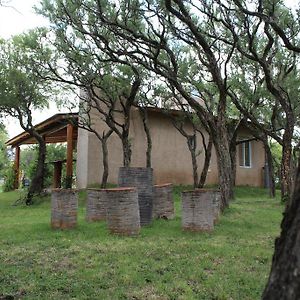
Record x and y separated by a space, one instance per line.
19 16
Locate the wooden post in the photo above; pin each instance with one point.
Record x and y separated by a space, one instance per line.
57 174
69 167
17 167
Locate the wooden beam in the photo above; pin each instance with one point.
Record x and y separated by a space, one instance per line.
69 167
17 167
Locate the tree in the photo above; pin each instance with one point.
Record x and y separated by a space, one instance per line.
110 84
28 163
22 91
284 278
4 161
134 38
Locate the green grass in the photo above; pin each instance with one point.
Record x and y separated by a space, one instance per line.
162 263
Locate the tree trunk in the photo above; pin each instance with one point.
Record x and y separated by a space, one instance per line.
224 166
191 141
126 151
37 182
284 279
144 116
233 151
104 161
269 159
285 172
207 158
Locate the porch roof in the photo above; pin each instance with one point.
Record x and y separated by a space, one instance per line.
54 130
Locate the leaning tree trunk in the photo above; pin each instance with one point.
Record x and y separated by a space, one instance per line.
37 182
207 157
284 279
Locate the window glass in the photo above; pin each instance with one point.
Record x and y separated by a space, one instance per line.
247 162
245 154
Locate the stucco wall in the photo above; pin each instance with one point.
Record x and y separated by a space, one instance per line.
170 156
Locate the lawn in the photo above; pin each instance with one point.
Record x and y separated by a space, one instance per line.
162 263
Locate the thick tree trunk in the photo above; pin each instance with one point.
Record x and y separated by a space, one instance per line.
284 279
285 172
126 151
37 182
207 158
224 166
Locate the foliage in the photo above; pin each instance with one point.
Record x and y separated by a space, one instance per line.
29 160
162 263
277 156
4 161
9 178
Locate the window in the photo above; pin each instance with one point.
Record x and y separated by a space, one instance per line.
245 154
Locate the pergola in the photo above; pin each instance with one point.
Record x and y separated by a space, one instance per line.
59 128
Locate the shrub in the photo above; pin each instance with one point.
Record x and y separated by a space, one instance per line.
9 179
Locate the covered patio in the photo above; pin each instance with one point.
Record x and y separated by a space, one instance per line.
60 128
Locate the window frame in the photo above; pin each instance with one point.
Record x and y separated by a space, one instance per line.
243 158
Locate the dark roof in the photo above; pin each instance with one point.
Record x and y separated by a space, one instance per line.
53 129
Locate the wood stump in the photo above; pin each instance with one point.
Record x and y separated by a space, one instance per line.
123 216
163 203
64 204
142 179
197 210
96 205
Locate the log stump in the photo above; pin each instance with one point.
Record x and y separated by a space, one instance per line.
96 205
123 216
197 210
64 204
142 179
163 203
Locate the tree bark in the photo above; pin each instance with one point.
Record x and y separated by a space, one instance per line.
126 152
221 144
37 183
105 173
233 151
269 159
284 279
191 141
144 116
207 157
285 172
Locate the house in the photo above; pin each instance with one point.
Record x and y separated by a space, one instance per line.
171 161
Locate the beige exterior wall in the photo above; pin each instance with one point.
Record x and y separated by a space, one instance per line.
171 160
